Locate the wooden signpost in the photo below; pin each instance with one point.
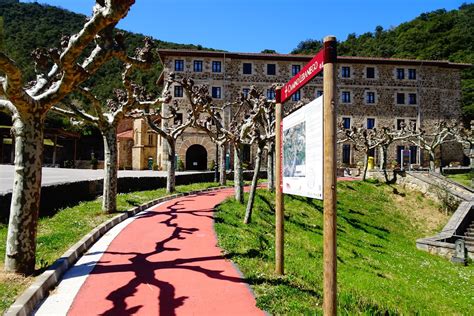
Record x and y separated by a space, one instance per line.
324 61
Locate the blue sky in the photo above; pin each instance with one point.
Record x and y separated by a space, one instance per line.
254 25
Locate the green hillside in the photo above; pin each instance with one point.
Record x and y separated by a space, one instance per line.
379 269
437 35
26 26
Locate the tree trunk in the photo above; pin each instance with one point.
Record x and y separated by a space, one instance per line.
384 162
24 209
271 168
381 158
171 174
432 160
253 189
109 200
222 174
366 163
238 174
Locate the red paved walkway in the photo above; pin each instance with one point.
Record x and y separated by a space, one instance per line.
166 262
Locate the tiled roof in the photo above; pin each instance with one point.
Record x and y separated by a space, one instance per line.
126 135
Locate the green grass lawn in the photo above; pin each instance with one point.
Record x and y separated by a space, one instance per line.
463 178
58 233
380 271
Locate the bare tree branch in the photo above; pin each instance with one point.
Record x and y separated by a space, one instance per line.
7 105
12 83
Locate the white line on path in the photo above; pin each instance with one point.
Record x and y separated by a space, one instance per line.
59 301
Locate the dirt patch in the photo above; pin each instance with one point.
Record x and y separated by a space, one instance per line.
9 277
424 211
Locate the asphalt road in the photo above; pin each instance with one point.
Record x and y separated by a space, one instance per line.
63 175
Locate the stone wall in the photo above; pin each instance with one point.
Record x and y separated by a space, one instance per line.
55 197
125 153
144 145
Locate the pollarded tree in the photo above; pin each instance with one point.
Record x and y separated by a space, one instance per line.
386 136
164 121
253 122
442 132
168 127
236 134
58 73
262 133
465 137
364 139
106 116
250 109
202 103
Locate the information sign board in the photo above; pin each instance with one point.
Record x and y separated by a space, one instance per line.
303 151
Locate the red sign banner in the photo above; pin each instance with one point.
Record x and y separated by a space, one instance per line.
301 78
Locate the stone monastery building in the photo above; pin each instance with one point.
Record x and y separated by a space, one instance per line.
371 92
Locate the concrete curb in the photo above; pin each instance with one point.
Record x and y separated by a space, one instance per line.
26 302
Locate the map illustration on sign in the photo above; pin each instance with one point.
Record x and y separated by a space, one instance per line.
294 151
303 151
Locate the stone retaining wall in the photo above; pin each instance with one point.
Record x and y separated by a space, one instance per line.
57 196
435 186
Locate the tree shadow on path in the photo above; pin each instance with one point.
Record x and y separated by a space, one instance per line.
144 269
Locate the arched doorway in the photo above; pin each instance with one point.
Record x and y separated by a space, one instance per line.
196 158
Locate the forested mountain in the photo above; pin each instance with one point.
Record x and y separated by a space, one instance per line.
26 26
437 35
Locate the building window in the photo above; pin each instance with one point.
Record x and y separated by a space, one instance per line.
412 98
150 139
178 91
400 73
216 92
412 74
399 154
178 119
370 123
179 65
346 122
271 94
370 97
346 153
346 97
346 72
216 66
271 69
413 154
295 69
319 93
247 68
370 72
400 98
246 153
412 123
400 124
296 96
198 66
245 92
371 152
